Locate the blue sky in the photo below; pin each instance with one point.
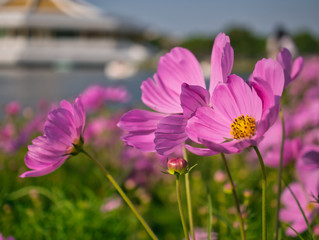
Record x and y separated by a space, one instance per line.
182 18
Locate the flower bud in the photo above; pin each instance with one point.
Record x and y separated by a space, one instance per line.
177 165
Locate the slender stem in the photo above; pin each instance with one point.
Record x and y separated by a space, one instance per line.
179 200
123 195
189 199
240 218
264 196
280 172
210 212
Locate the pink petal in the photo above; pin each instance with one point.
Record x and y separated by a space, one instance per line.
79 115
35 160
264 91
201 151
247 99
175 68
193 97
236 98
288 200
141 125
296 68
299 226
227 148
144 141
309 158
268 119
159 97
179 66
221 61
208 124
44 143
170 134
43 171
140 120
287 215
285 59
59 125
270 71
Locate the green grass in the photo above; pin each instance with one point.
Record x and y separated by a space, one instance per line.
66 203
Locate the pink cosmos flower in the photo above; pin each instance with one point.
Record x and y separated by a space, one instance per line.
95 96
291 69
164 131
306 192
7 134
116 94
308 168
111 204
311 137
240 112
63 136
310 72
306 116
270 146
307 77
291 212
13 108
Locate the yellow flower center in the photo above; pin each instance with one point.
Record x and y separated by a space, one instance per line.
311 206
243 127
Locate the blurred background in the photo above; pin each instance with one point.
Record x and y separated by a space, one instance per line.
53 49
57 49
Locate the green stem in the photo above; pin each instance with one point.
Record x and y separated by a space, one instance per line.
280 173
210 214
123 195
179 200
189 199
240 218
264 196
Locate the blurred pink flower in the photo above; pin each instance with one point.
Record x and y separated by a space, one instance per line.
116 94
7 134
308 76
311 137
220 176
291 212
310 69
306 116
101 131
63 136
308 168
270 146
94 97
12 108
111 204
306 192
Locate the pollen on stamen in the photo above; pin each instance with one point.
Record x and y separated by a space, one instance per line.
243 127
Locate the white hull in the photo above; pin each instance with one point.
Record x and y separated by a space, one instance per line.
15 51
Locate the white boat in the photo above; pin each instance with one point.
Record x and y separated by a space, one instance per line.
54 32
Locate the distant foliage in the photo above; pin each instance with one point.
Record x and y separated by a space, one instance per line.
247 45
306 43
